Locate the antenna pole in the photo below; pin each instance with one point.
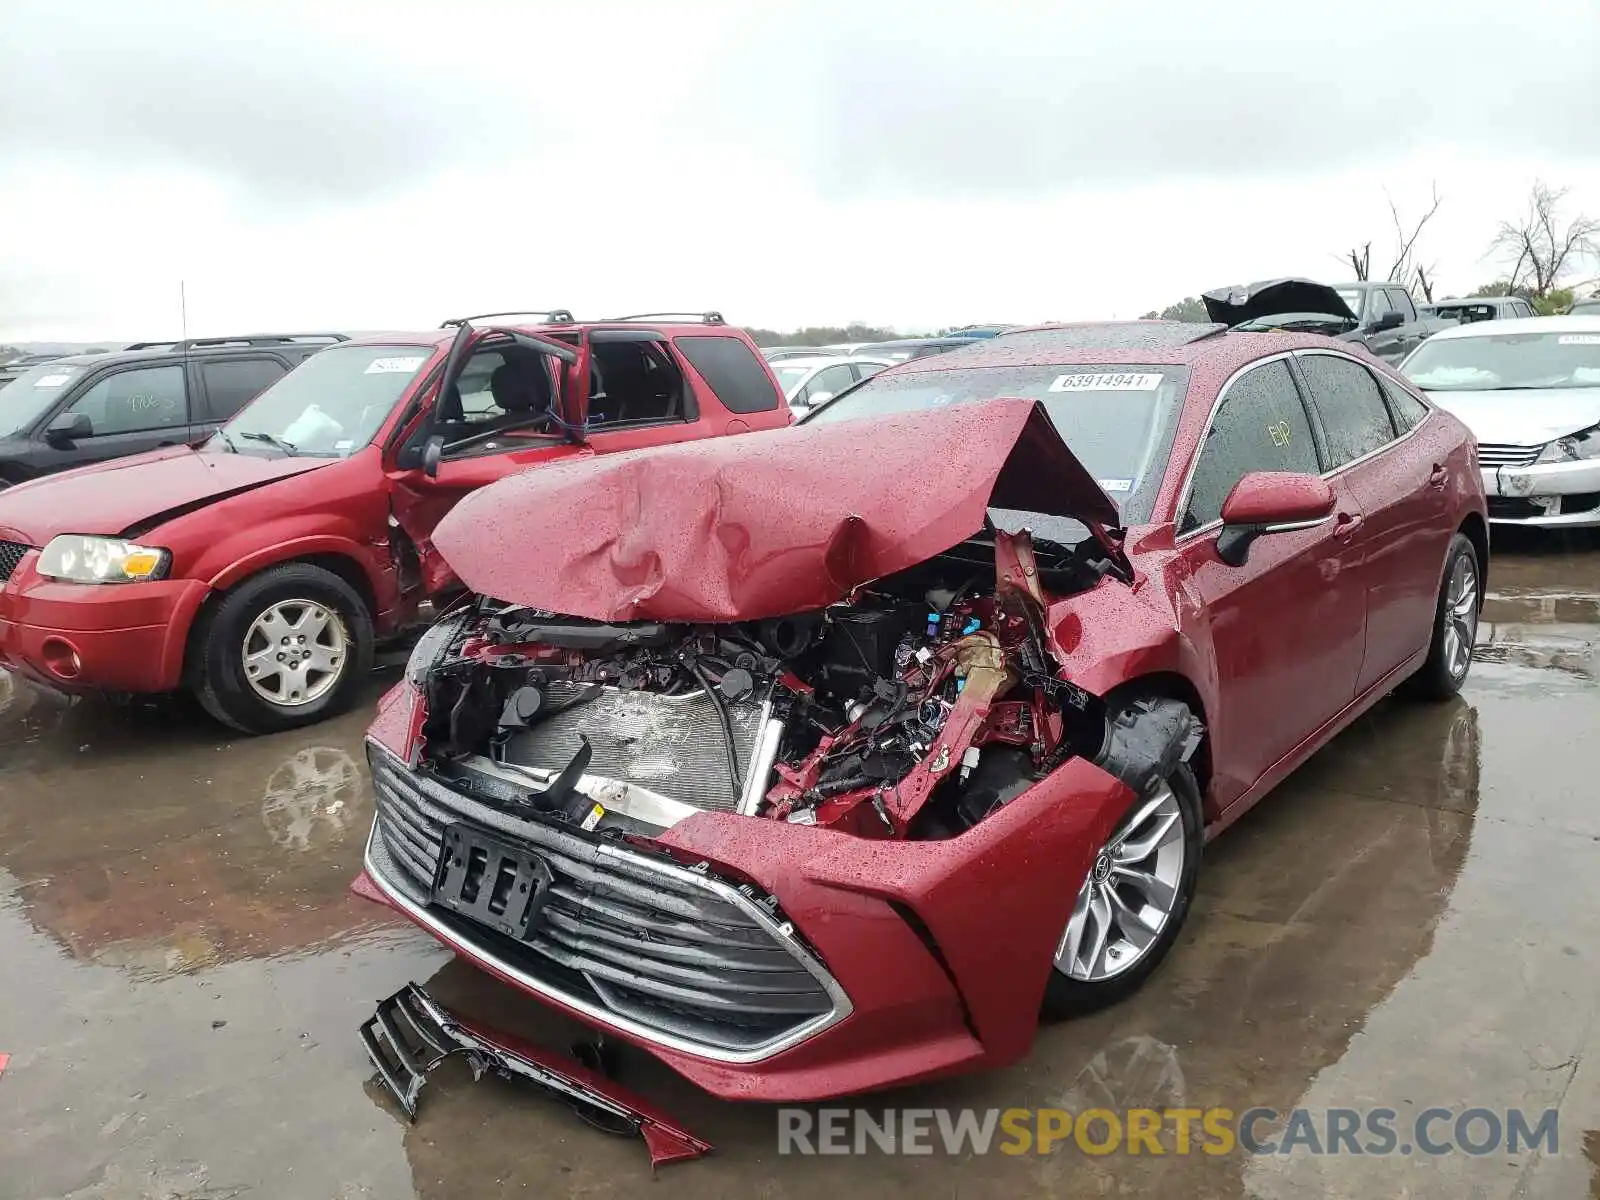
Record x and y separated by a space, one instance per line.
183 310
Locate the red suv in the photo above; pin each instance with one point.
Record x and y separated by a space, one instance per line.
259 567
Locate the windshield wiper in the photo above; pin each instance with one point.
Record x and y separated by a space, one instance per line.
227 441
276 442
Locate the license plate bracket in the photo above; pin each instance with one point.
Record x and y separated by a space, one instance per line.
491 880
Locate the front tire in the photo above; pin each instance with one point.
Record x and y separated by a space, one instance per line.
1132 906
285 648
1455 625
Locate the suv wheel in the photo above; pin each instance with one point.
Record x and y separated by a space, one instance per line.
285 648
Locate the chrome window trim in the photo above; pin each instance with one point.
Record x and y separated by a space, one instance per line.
782 934
1222 394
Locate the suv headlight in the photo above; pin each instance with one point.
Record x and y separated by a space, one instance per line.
77 558
1572 448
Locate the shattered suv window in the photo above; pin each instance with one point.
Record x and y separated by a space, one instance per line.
1118 420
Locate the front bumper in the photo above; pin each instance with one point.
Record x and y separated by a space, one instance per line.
72 637
1545 495
940 951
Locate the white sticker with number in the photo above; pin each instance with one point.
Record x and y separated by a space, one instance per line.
390 366
51 380
1105 381
1116 485
1579 339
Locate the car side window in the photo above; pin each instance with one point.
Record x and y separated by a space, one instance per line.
145 398
1378 303
633 383
1401 299
1355 420
497 389
866 370
233 383
1407 409
1261 425
734 372
829 381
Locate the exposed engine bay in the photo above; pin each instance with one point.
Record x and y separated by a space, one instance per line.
914 708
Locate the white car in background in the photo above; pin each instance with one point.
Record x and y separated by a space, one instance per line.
807 382
1529 390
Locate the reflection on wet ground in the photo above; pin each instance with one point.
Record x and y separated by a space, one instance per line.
1411 921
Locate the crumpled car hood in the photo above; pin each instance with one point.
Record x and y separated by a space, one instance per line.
1252 301
126 493
761 524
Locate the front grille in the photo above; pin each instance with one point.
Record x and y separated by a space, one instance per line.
1502 454
631 937
672 745
10 556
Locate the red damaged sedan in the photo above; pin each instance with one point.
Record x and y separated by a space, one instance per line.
825 759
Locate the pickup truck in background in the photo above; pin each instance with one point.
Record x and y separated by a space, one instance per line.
1380 316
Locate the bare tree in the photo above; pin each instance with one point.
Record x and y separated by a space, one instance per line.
1425 276
1406 244
1540 248
1360 261
1404 264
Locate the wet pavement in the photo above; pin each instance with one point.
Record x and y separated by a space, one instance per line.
1412 921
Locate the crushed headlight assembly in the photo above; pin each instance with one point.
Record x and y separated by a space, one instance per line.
77 558
1573 448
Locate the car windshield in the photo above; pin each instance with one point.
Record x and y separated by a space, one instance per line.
330 406
1504 361
1352 297
27 397
1118 420
1466 314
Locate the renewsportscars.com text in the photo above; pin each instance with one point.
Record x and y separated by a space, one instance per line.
1157 1131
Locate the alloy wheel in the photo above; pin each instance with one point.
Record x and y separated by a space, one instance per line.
1130 894
1460 616
295 653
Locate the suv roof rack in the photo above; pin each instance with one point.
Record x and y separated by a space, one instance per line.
552 316
710 317
248 339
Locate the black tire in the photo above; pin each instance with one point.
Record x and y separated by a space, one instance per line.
1068 997
1437 679
217 671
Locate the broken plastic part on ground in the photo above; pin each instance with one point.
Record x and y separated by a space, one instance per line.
411 1034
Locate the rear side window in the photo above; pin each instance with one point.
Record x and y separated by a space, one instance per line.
1354 416
1261 426
233 383
1407 409
147 398
735 374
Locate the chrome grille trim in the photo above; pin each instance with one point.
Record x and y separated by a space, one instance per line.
1503 454
711 946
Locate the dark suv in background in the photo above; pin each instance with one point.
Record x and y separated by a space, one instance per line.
87 408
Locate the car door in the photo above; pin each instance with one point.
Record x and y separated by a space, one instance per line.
130 409
227 384
1411 331
1286 627
485 430
639 395
1398 475
1385 343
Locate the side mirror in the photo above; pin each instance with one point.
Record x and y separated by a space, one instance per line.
1390 320
432 452
68 428
1267 502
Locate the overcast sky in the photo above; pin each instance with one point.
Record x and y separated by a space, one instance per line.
382 165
